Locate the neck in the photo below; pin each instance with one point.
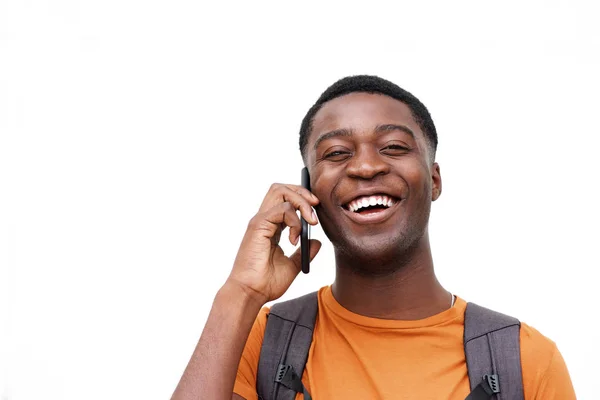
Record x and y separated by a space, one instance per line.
408 291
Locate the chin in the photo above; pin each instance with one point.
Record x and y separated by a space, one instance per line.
377 254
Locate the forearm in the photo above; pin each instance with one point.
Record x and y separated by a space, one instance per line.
211 371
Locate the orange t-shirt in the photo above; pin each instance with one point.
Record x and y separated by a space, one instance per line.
358 357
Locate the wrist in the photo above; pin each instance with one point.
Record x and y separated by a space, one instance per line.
240 293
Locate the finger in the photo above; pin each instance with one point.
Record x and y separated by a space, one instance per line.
277 191
294 237
296 258
300 198
307 194
300 203
272 222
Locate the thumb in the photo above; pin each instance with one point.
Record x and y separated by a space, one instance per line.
296 258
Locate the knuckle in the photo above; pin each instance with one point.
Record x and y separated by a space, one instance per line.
294 221
255 221
275 187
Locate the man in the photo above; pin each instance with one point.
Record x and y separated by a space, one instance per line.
386 328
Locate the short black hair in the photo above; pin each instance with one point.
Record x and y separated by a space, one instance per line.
371 84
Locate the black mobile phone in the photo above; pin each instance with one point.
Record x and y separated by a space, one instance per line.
305 231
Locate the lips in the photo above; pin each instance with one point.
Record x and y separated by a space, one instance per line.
374 216
363 196
369 206
362 203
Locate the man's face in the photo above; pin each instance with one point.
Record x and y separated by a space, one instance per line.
371 169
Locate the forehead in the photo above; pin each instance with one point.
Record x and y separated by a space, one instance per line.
362 112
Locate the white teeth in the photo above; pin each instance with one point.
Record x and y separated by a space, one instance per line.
367 201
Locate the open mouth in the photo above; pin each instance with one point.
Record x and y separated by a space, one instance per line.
365 205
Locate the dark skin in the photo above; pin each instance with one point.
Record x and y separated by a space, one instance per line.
383 269
360 144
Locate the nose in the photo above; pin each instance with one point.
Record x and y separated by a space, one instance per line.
367 163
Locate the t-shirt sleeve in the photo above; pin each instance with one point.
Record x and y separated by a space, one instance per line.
556 381
245 380
545 374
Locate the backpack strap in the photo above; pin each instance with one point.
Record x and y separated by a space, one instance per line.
493 354
285 347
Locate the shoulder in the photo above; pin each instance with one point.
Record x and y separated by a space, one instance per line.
259 326
537 350
245 381
255 338
545 373
534 344
254 342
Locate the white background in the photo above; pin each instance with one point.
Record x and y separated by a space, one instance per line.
137 138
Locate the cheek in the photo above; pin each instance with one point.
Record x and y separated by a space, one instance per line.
320 190
322 187
418 179
322 184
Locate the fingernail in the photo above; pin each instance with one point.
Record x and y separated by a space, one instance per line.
314 216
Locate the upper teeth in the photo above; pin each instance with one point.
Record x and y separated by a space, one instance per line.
365 201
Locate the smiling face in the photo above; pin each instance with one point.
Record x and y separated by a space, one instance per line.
371 168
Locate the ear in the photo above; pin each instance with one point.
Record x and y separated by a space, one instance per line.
436 179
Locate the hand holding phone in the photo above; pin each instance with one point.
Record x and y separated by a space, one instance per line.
261 268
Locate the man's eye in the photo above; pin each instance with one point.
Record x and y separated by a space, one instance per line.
337 155
395 149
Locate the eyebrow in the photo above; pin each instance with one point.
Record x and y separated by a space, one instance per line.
393 127
334 133
349 132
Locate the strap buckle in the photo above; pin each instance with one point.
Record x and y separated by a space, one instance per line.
287 377
493 383
282 371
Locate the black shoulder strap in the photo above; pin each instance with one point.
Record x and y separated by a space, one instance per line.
493 354
285 347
